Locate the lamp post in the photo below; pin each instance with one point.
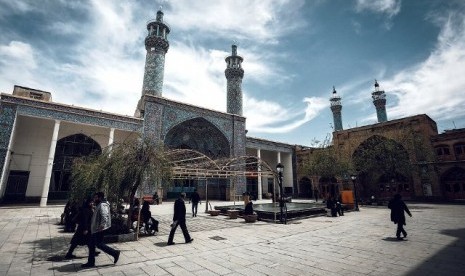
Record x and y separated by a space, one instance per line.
354 179
280 170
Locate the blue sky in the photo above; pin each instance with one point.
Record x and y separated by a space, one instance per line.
91 54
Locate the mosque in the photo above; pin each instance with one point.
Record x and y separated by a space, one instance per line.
40 138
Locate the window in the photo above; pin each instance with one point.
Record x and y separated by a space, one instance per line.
459 148
37 96
456 187
442 150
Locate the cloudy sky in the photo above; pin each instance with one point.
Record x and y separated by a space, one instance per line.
91 53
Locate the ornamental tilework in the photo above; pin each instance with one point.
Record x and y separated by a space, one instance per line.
7 119
234 100
153 74
78 118
174 116
152 121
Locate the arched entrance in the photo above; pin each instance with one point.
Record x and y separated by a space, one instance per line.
384 168
200 135
67 149
453 183
305 188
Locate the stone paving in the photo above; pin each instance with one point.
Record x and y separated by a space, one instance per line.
359 243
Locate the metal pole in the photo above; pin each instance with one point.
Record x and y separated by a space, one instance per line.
355 192
206 195
281 198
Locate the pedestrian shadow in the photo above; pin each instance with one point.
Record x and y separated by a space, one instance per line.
392 239
161 244
76 267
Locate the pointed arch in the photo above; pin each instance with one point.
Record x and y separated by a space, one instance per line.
453 183
200 135
67 149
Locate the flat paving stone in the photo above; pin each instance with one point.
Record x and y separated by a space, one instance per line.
359 243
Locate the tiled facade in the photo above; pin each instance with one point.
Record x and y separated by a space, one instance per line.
179 125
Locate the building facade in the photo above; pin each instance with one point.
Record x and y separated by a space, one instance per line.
40 138
406 156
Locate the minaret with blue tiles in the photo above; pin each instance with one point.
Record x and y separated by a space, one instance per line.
234 74
336 108
379 100
156 44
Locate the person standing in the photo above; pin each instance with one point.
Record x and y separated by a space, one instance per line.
195 199
179 218
101 221
398 207
82 234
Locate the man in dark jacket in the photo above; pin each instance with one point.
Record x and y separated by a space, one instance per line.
398 207
179 218
195 199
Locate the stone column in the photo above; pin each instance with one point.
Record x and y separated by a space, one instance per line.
259 176
111 139
51 157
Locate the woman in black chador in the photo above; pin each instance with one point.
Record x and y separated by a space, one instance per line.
398 207
82 234
151 224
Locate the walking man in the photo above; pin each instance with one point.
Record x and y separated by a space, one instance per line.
101 221
398 207
179 218
195 199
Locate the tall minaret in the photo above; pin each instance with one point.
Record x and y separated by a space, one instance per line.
336 108
379 100
156 44
234 74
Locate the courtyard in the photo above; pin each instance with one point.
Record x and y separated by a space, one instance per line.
359 243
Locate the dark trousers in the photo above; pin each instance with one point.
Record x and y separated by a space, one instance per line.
96 240
187 237
400 229
194 208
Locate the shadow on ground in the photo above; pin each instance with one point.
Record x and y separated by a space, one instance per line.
451 257
392 239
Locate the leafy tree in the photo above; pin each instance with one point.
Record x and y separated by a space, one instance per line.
120 170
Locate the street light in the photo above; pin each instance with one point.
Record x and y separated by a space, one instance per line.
354 178
280 170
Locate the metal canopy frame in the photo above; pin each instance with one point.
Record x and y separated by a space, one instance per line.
191 164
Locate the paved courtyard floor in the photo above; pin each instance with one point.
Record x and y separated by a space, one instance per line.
359 243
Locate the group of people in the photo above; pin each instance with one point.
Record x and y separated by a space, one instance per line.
335 206
150 224
93 219
93 222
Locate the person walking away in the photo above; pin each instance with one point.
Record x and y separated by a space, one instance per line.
101 221
195 199
179 218
82 234
398 207
148 220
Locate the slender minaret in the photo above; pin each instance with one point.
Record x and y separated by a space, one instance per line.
379 100
336 108
156 44
234 74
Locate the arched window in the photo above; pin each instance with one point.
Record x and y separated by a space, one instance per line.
67 149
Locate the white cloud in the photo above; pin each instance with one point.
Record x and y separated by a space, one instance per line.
435 86
262 21
16 61
388 7
270 117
